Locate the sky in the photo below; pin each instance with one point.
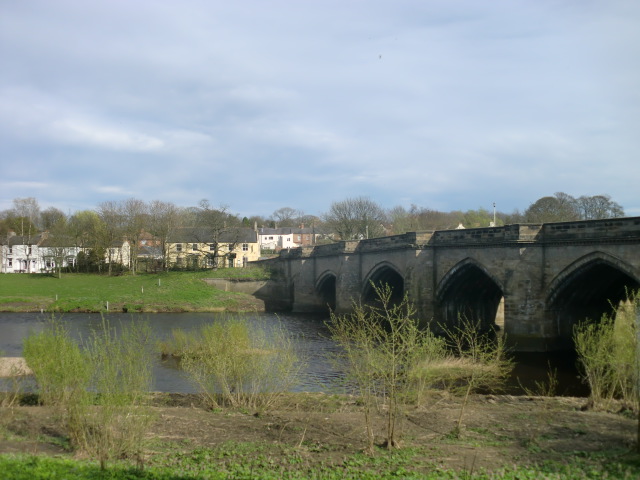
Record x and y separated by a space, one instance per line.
258 105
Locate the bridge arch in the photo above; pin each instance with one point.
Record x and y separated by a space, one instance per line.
325 288
469 290
589 288
383 273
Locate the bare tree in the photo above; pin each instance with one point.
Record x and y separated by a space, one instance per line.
112 234
216 226
57 244
134 221
27 212
287 217
356 218
163 220
85 230
51 217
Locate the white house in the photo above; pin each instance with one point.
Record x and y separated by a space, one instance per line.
44 253
286 237
19 254
55 252
276 238
119 252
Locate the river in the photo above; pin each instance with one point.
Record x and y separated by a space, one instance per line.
308 332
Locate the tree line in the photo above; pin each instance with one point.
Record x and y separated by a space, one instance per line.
349 219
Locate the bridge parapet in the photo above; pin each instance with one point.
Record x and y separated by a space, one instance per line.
490 235
406 240
602 230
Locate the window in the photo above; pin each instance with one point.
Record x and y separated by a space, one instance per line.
10 263
194 247
245 247
299 238
29 250
10 250
178 247
212 247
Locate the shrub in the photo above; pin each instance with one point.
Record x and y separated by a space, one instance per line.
100 389
607 354
62 371
121 363
381 346
237 361
482 361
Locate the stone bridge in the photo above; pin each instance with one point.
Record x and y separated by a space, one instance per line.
535 281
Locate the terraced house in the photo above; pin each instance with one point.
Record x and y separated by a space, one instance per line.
193 248
36 253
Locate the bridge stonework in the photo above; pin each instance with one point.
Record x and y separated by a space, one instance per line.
536 281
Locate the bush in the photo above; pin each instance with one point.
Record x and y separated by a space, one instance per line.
62 371
381 346
607 354
481 361
101 389
237 361
121 363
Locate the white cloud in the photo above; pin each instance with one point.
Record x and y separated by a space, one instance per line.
86 133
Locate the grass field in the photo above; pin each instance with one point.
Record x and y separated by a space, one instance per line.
164 292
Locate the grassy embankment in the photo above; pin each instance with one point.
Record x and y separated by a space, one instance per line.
164 292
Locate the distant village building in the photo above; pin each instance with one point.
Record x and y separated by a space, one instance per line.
192 248
275 239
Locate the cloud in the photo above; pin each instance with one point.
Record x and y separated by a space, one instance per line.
300 104
85 133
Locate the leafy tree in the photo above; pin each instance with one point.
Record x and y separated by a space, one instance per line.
477 218
597 207
562 207
356 218
558 208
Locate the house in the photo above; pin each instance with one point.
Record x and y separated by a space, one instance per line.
19 254
56 252
200 247
287 237
119 252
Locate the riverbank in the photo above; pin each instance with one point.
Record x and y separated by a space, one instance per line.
143 293
322 436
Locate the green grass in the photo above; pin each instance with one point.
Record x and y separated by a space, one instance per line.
171 291
252 461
